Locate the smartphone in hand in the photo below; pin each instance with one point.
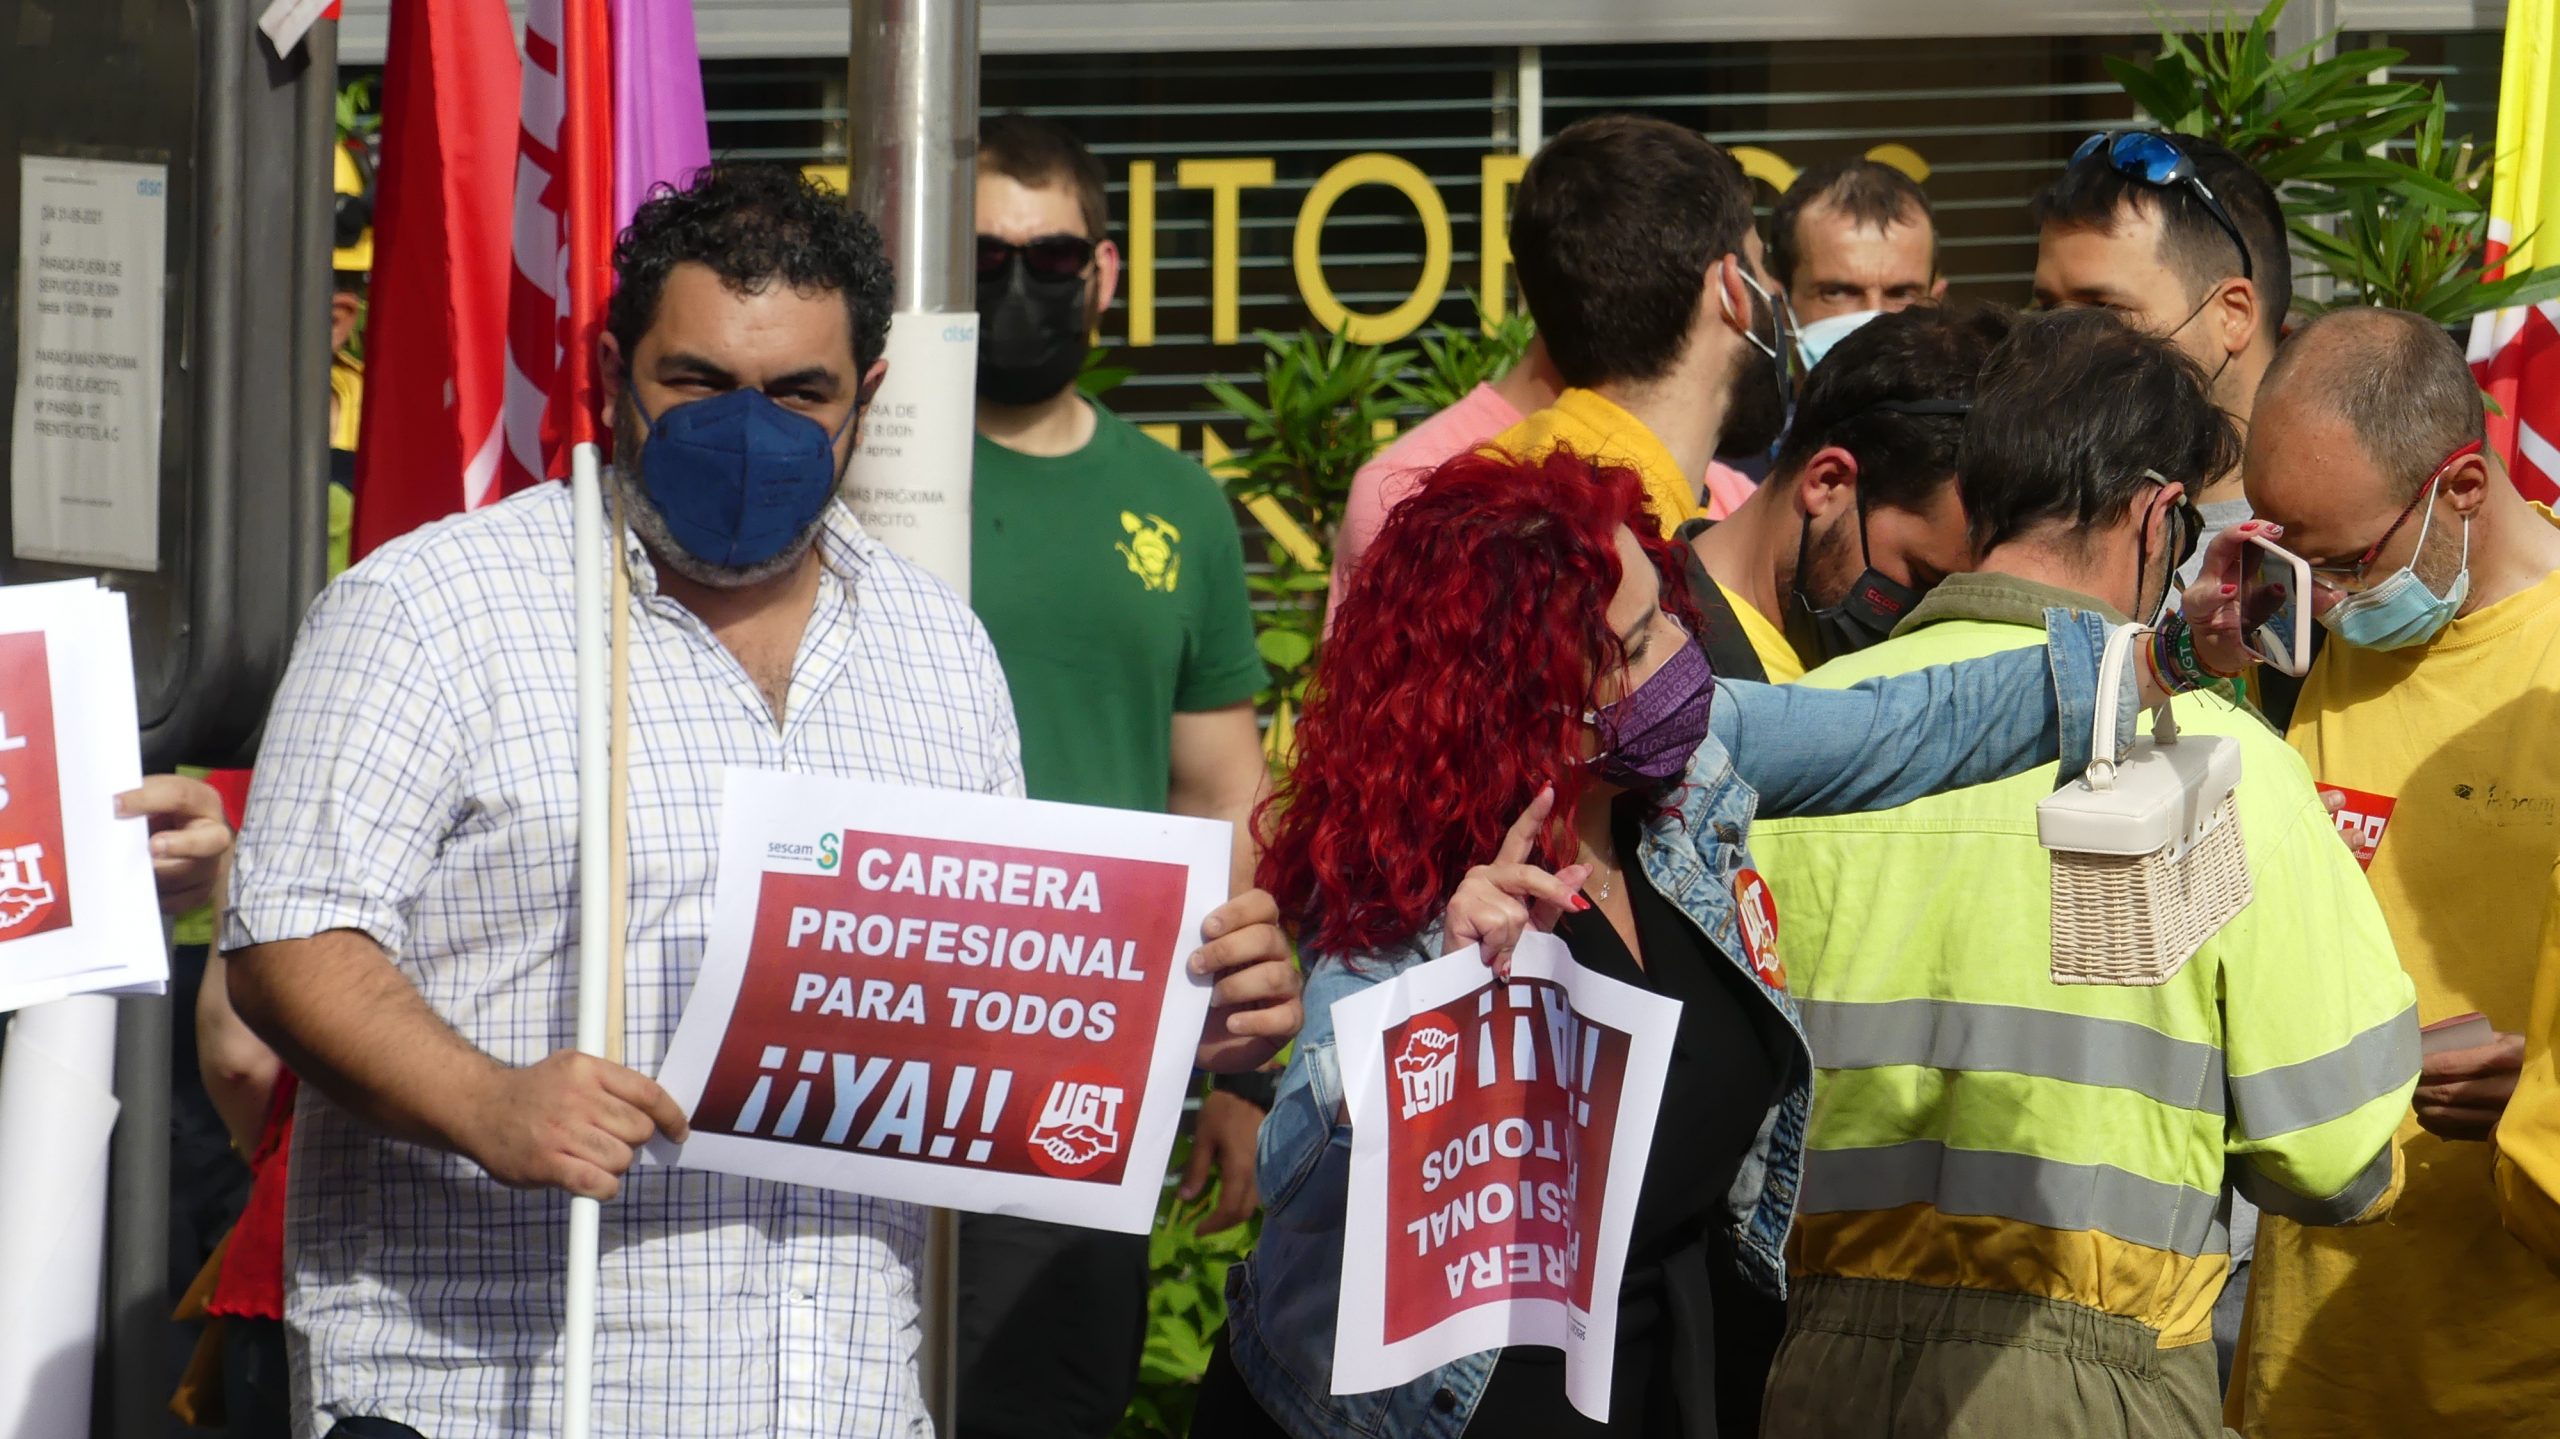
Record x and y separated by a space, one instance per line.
2276 606
2463 1031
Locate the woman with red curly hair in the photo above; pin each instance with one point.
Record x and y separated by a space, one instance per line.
1511 725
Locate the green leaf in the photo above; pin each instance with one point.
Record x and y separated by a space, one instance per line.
1284 649
2149 87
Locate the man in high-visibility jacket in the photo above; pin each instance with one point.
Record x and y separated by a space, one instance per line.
2011 1220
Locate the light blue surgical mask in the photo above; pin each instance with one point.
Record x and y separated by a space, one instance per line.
2401 611
1815 340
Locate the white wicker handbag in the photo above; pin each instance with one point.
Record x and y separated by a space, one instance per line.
2146 850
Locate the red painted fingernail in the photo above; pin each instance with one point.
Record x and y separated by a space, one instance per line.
2231 589
1581 903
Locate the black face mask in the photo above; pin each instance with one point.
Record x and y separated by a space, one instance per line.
1031 336
1865 615
1763 393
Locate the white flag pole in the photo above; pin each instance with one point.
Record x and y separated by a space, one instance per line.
595 908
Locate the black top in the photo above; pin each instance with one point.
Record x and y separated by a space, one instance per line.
1681 1373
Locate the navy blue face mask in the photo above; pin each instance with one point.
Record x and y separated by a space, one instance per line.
736 476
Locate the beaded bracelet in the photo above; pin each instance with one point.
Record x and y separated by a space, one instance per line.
2175 666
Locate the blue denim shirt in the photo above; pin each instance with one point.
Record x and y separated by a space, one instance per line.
1787 750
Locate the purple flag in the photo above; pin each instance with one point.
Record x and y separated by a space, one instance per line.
659 133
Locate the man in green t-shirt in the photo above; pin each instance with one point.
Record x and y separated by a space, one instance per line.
1108 571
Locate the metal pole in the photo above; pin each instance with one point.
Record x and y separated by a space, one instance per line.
914 153
913 147
138 1373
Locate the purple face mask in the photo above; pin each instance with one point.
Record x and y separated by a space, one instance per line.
1647 736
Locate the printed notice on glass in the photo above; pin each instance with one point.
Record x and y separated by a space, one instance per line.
909 481
84 446
1498 1139
952 999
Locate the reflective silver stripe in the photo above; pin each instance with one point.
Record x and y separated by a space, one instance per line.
2328 1086
2020 1187
2013 1039
2338 1208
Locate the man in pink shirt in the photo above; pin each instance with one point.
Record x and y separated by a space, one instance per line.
1481 414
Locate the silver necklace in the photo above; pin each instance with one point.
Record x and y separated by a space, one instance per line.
1608 877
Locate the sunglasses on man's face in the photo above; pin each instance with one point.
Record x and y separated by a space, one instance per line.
2159 162
1051 257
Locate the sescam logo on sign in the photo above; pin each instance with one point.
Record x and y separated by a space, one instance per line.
792 857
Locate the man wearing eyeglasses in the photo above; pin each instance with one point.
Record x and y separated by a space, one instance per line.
2182 239
2427 720
1108 572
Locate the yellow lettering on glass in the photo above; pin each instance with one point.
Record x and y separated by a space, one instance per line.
1167 435
1226 182
1308 247
1142 252
1501 172
1216 458
1903 158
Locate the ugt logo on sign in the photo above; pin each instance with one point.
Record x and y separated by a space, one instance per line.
1078 1128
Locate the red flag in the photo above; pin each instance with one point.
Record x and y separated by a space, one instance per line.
436 333
563 239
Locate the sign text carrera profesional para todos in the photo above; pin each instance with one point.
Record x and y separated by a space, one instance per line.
960 1000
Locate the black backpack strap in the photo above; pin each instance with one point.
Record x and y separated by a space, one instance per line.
1720 634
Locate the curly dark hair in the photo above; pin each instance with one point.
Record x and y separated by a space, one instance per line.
753 224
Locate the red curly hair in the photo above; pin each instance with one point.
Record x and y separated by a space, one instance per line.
1451 689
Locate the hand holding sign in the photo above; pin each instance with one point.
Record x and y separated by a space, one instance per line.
1254 1011
1499 902
189 837
572 1122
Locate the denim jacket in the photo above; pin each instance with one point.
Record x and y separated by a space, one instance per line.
1785 750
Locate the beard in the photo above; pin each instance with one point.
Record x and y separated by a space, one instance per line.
1755 406
1832 564
647 521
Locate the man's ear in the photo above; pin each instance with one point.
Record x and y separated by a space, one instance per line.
1731 292
863 395
612 374
1828 483
2468 483
1106 279
1938 288
2235 310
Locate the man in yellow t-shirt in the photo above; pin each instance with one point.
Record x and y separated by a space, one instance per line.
2529 1135
1671 347
1860 515
2425 720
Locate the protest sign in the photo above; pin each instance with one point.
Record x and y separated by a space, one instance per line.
954 999
1498 1139
79 912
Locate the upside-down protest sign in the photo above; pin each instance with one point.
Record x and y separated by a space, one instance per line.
953 999
1498 1138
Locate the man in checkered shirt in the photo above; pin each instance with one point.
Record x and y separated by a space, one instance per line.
402 923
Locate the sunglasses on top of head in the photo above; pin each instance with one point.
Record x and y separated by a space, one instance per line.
1051 257
2158 161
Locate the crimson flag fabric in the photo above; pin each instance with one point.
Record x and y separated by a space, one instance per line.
435 335
563 238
